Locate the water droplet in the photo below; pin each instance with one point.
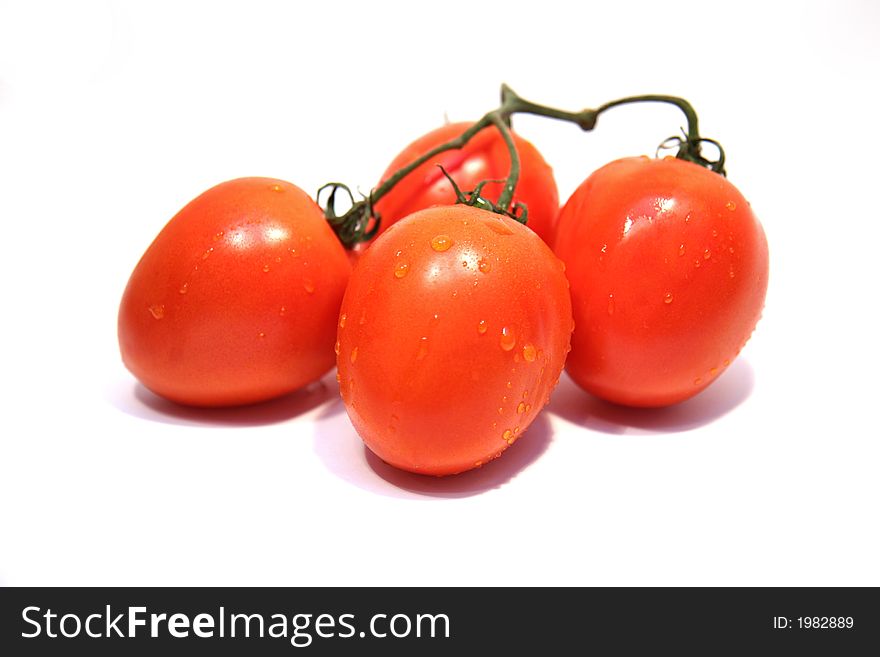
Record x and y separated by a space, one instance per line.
730 249
423 348
278 259
157 311
262 335
521 408
497 225
713 371
484 266
482 327
218 236
528 407
529 352
207 253
308 285
478 464
282 310
276 188
730 206
354 355
441 243
509 385
687 218
266 268
707 254
342 319
610 304
398 253
336 347
698 381
338 377
714 233
726 362
731 273
401 270
681 249
697 264
667 298
184 288
508 339
525 394
507 436
500 410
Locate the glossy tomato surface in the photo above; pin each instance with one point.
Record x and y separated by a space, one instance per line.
452 334
484 157
236 300
668 268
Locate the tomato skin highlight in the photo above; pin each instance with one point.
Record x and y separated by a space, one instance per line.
452 334
235 301
484 157
668 268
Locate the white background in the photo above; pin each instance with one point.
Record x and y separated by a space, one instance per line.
114 115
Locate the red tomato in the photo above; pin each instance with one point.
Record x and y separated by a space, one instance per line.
236 300
484 157
452 334
668 270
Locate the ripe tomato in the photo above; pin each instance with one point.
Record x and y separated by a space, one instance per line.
452 334
484 157
668 270
236 300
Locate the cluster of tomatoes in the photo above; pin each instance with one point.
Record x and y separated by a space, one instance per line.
451 326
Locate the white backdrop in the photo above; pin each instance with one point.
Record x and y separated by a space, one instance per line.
114 115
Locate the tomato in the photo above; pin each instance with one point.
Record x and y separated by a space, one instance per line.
668 268
484 157
452 334
236 300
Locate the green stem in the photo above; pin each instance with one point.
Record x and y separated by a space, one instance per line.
360 223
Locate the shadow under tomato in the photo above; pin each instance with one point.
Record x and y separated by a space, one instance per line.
344 454
142 403
731 389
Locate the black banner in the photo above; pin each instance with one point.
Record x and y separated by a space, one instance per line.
444 621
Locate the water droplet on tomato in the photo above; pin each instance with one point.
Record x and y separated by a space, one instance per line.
354 355
698 381
529 352
730 206
610 304
401 270
336 347
282 310
342 319
207 253
308 285
484 266
262 335
507 436
707 254
681 249
482 327
713 371
266 268
184 288
157 311
521 408
276 188
441 243
667 298
508 339
278 259
423 348
218 236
